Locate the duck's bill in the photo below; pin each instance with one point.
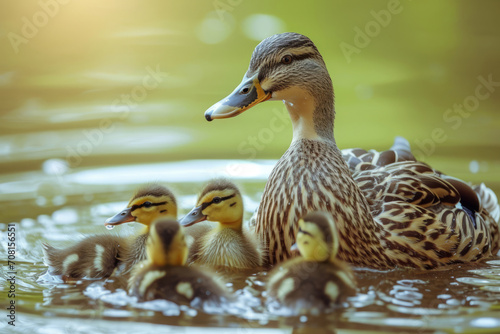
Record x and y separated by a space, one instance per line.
193 217
245 96
121 217
294 247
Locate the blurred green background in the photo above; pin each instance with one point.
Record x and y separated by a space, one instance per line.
65 64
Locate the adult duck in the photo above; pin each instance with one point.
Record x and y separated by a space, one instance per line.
390 213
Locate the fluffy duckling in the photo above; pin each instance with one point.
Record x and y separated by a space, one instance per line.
164 274
317 280
95 256
98 256
150 202
227 244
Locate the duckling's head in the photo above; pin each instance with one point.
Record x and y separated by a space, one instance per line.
150 202
285 67
166 244
219 201
317 239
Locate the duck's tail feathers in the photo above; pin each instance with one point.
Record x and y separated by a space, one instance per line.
488 200
402 149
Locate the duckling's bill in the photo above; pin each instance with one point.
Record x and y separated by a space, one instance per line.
248 93
121 217
194 216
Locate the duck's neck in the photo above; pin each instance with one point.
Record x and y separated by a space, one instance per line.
145 229
312 113
235 225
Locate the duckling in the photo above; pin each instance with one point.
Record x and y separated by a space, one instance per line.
150 202
164 274
228 244
98 256
318 280
95 256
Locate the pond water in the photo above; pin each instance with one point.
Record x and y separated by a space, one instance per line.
459 298
104 96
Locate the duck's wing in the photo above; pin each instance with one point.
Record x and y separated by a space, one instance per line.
426 217
400 151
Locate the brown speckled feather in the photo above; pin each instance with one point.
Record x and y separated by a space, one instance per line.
400 151
422 215
396 214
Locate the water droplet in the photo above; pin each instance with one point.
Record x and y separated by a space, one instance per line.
110 227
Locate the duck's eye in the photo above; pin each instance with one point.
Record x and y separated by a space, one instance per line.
216 200
287 59
148 204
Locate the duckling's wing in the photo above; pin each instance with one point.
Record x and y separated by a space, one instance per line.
428 218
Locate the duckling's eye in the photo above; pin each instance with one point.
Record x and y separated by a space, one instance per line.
304 232
148 204
216 200
287 59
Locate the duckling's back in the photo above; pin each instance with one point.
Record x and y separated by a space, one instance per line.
95 256
179 284
311 287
